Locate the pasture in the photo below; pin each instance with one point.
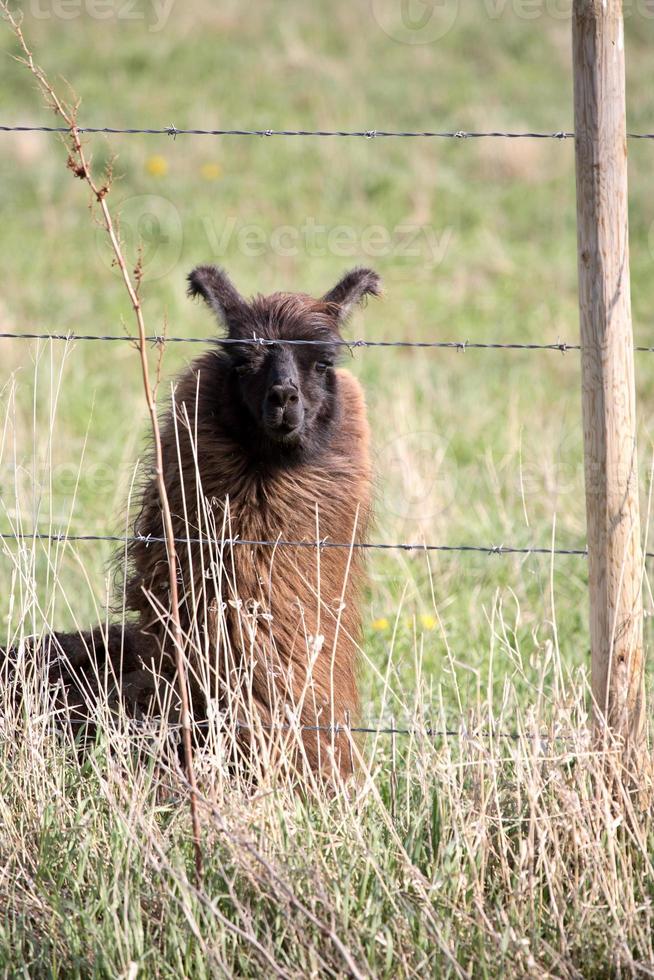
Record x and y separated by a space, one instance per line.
465 854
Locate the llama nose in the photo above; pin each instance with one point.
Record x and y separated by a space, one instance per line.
283 394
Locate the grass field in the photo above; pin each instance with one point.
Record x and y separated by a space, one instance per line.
482 857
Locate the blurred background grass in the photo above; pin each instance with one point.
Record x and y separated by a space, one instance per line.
477 242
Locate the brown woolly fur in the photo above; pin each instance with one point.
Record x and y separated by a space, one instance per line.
261 443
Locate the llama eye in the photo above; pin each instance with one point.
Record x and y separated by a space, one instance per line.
321 366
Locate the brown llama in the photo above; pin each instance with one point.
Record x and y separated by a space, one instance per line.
263 443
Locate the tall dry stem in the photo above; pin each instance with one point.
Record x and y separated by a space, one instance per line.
79 164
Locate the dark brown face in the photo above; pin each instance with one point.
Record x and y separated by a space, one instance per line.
280 393
285 388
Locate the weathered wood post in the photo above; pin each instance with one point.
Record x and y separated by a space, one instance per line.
607 369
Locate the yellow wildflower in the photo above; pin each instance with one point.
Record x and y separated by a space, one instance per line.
380 624
211 171
157 166
428 622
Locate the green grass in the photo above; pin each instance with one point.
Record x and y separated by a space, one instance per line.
474 448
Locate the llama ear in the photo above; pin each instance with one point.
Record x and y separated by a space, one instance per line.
351 289
216 288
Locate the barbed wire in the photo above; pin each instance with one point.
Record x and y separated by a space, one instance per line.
146 728
173 131
161 339
379 728
151 726
147 539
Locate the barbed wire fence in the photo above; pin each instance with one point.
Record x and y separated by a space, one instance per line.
376 728
160 340
173 132
379 728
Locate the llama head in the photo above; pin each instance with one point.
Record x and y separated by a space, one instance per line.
284 390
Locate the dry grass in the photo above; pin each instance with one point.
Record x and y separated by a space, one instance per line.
506 847
470 855
467 855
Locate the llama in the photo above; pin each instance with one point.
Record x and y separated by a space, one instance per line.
261 442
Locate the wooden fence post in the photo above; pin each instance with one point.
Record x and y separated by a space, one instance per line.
607 370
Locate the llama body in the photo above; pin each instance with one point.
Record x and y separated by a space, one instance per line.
261 443
285 636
